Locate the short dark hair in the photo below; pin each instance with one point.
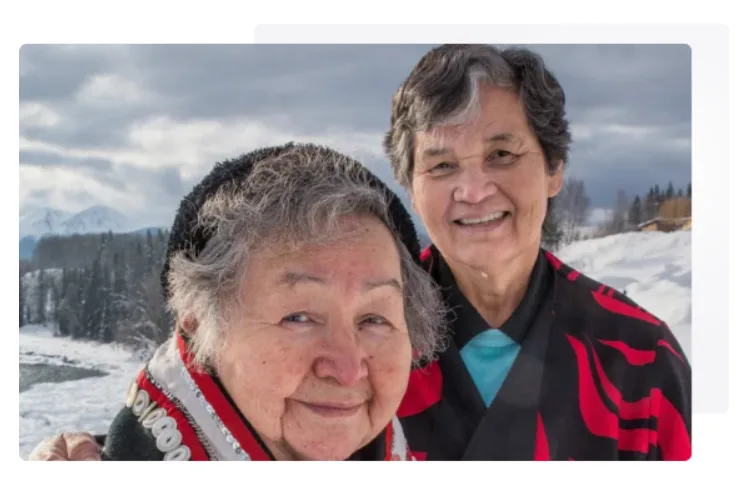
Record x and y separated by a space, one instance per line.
443 88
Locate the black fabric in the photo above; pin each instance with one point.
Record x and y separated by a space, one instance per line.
185 236
572 393
472 323
462 410
127 439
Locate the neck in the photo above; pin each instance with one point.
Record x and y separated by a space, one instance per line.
496 292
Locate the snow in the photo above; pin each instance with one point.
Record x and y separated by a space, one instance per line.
36 222
654 268
89 404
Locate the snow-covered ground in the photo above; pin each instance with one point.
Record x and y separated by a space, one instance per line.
654 269
89 404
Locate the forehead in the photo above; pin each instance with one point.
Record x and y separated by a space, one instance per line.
501 113
364 245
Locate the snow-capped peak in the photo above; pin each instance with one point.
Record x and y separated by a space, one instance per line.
39 222
36 222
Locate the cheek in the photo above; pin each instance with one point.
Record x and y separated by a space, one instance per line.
388 369
528 193
431 201
259 375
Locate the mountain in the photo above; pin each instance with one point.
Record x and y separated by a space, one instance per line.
38 222
94 220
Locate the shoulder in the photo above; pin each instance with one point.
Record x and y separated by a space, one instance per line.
595 308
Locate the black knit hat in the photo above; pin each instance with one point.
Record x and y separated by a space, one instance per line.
186 236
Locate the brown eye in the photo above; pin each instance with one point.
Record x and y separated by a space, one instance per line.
440 168
297 319
374 320
503 157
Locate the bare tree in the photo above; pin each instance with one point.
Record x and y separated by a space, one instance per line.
572 208
618 222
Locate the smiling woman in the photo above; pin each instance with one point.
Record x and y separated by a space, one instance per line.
300 309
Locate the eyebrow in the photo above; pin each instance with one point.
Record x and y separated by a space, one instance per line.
390 282
498 137
291 278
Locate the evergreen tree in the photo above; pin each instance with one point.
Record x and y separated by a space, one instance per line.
108 289
669 192
635 212
688 190
21 303
41 298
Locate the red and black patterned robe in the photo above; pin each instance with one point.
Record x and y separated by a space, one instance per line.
597 378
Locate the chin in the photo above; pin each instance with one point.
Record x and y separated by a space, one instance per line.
330 449
484 253
314 438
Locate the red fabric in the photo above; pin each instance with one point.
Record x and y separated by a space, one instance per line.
555 261
626 410
190 439
542 450
598 419
389 440
223 408
663 343
672 435
616 306
423 390
632 355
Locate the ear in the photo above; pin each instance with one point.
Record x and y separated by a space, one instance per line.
189 325
555 181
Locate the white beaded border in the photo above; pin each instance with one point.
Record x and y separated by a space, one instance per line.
162 426
212 413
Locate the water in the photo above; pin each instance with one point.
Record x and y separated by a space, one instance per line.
32 373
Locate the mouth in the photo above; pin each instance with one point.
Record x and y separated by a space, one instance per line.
333 410
490 219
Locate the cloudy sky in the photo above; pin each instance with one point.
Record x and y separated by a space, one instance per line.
135 127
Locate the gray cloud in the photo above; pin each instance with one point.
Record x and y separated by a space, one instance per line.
612 91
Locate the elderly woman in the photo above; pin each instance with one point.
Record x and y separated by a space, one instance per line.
543 363
299 310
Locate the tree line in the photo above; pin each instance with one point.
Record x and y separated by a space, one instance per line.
101 287
665 202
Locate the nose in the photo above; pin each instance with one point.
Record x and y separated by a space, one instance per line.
473 186
341 358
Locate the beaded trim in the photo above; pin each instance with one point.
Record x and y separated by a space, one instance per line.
212 413
163 427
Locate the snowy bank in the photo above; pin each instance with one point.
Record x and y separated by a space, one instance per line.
653 268
88 404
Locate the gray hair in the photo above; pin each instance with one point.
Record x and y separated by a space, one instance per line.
443 89
287 201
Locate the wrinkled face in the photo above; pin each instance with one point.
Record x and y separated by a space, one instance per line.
319 361
481 189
